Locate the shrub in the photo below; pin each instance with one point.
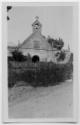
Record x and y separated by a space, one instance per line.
56 43
10 58
71 58
43 74
62 56
18 56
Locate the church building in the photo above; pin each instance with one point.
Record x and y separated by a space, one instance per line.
37 45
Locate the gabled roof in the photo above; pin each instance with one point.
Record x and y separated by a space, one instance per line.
45 45
26 40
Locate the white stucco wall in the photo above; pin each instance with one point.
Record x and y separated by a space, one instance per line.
36 44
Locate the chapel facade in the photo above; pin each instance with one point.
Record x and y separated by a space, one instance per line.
37 45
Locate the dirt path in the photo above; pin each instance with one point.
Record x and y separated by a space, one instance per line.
43 102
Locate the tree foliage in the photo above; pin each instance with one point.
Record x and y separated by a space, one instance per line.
56 43
18 56
61 56
48 74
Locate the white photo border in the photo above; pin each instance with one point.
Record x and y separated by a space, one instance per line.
4 62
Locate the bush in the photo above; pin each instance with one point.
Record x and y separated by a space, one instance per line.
10 59
71 58
18 56
62 56
43 74
56 43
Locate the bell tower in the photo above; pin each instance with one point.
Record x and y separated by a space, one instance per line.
36 26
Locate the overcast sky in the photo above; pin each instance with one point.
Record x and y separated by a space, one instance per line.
57 21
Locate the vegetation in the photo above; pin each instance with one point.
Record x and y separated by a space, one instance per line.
18 56
56 43
61 56
41 74
21 68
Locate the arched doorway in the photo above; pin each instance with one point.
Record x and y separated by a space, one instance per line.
35 59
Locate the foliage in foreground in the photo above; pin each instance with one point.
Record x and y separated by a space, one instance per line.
41 74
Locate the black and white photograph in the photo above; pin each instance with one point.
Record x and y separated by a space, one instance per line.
41 60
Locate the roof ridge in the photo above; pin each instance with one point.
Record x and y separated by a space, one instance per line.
27 39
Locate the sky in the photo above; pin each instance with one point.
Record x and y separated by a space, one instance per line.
57 21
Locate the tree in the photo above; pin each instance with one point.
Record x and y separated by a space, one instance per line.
51 41
56 43
62 56
18 56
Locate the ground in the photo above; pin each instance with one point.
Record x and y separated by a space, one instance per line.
41 102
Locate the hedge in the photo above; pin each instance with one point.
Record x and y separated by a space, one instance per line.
40 74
